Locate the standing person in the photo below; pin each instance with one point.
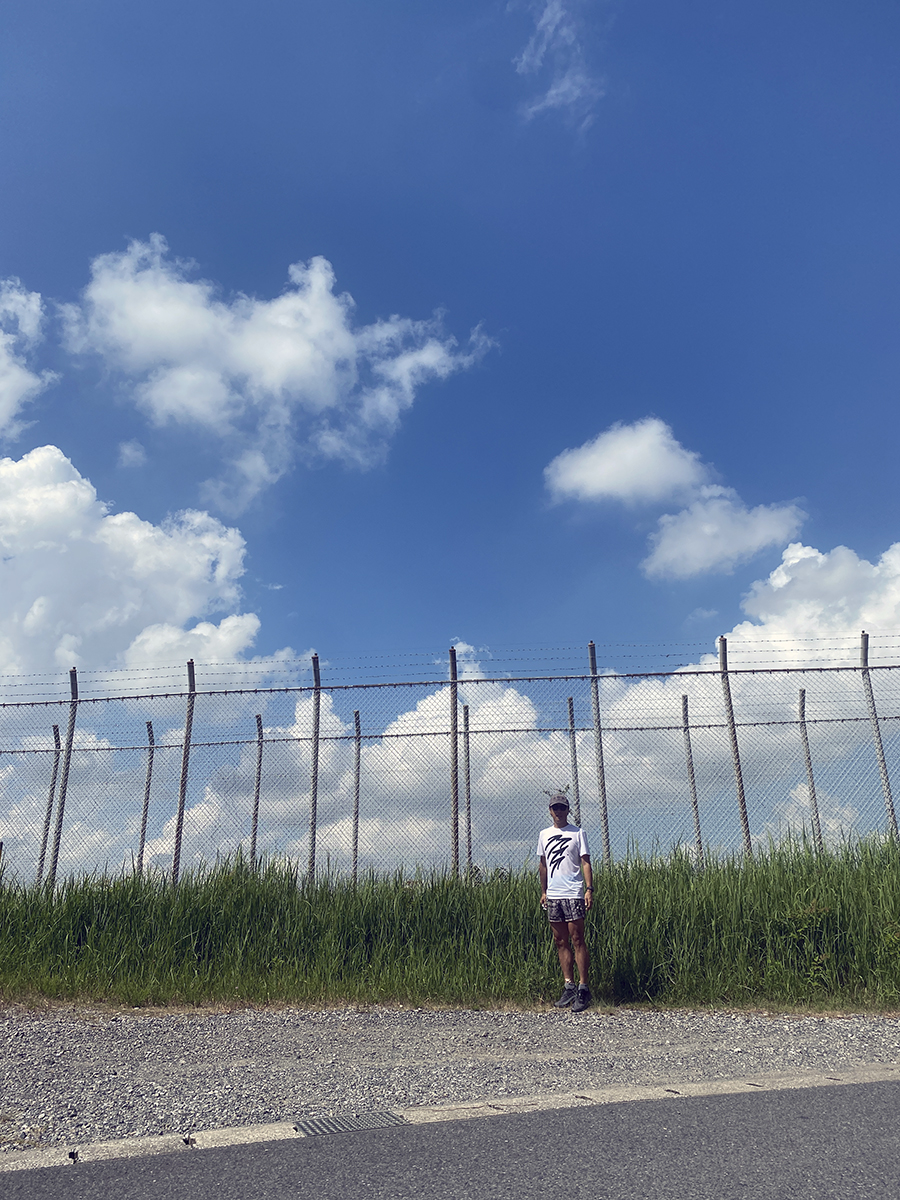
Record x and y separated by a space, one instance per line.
563 858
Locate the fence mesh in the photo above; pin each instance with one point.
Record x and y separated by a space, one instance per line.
364 776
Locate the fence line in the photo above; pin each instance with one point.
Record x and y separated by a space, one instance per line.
50 797
314 775
692 779
185 770
384 791
64 781
598 753
145 811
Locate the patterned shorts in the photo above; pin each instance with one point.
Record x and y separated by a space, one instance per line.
565 910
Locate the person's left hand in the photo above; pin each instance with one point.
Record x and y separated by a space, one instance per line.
588 901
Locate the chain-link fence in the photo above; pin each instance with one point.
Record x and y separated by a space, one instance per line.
446 773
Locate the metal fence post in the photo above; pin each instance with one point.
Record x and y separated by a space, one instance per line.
598 749
467 781
573 757
807 758
357 760
258 781
876 732
185 767
454 762
735 753
692 782
151 748
314 770
50 796
64 777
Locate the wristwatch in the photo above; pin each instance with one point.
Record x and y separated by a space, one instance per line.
590 889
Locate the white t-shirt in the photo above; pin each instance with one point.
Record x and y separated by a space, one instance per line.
563 849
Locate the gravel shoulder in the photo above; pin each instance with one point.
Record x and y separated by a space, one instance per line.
73 1076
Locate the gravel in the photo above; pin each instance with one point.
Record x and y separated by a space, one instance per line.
76 1076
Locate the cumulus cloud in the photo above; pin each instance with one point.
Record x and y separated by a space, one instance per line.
716 533
21 316
643 463
519 747
815 594
267 377
555 53
81 585
638 463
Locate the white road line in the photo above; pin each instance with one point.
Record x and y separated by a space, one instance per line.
210 1139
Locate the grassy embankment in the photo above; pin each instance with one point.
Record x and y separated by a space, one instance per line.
788 927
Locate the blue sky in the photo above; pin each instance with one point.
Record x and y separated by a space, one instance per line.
671 228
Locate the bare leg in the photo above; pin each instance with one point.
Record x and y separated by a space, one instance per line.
582 954
563 948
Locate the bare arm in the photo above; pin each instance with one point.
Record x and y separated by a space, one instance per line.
588 880
542 872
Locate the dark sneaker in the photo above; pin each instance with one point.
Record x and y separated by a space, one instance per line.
570 991
582 1000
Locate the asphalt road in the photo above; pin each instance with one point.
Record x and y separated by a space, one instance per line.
813 1143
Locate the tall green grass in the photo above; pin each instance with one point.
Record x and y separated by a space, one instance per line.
790 926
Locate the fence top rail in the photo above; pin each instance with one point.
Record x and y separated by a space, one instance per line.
490 731
600 677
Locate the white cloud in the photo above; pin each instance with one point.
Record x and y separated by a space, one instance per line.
80 585
515 757
556 51
716 532
21 315
268 377
811 594
132 454
638 463
794 817
702 614
643 463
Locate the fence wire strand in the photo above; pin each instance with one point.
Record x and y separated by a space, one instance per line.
351 777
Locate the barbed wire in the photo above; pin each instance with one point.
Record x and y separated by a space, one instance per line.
518 730
495 654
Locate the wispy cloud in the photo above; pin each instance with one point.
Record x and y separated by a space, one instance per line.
270 379
132 454
555 55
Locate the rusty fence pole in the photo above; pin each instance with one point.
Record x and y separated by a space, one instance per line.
64 775
735 752
807 758
357 766
692 781
467 784
185 771
314 770
50 797
151 748
254 826
573 759
876 734
454 762
598 750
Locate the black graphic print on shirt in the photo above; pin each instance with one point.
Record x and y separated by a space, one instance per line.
556 850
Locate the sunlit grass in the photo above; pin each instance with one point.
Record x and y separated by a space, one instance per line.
790 926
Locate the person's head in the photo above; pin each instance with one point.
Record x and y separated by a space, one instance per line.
559 810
